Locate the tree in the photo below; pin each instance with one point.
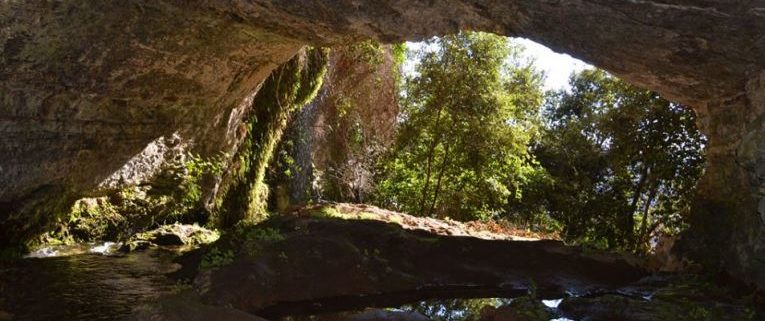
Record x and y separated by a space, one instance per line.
622 162
467 116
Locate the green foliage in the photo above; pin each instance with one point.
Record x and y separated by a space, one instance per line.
467 117
369 52
620 163
266 234
612 165
399 53
216 258
252 239
180 185
328 212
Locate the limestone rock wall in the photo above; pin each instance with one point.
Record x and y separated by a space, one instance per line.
85 86
329 148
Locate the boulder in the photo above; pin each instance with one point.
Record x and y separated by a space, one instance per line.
171 235
307 265
673 297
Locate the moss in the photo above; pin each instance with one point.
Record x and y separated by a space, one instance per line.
289 88
327 212
189 235
175 195
262 235
369 52
26 219
253 239
181 185
216 258
91 219
367 216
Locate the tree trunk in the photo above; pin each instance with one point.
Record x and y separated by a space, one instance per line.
635 198
643 234
441 171
431 156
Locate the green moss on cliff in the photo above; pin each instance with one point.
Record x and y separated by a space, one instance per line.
288 89
175 195
22 225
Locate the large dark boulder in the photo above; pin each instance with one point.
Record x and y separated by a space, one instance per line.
296 265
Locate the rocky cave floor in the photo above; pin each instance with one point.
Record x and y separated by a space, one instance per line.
360 263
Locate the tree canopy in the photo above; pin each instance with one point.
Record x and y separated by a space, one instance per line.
467 116
621 162
604 162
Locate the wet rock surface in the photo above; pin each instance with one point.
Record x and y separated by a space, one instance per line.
85 286
669 297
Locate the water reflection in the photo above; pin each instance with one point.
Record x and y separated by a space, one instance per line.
454 309
552 303
84 287
106 248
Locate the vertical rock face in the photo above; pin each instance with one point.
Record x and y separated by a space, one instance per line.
358 120
244 194
85 86
329 148
728 216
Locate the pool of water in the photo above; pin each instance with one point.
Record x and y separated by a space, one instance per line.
86 285
430 310
93 282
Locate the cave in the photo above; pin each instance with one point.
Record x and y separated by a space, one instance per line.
89 91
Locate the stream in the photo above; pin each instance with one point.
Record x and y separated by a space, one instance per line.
90 284
96 282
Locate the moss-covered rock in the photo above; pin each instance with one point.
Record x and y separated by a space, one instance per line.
175 195
682 298
525 308
171 235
